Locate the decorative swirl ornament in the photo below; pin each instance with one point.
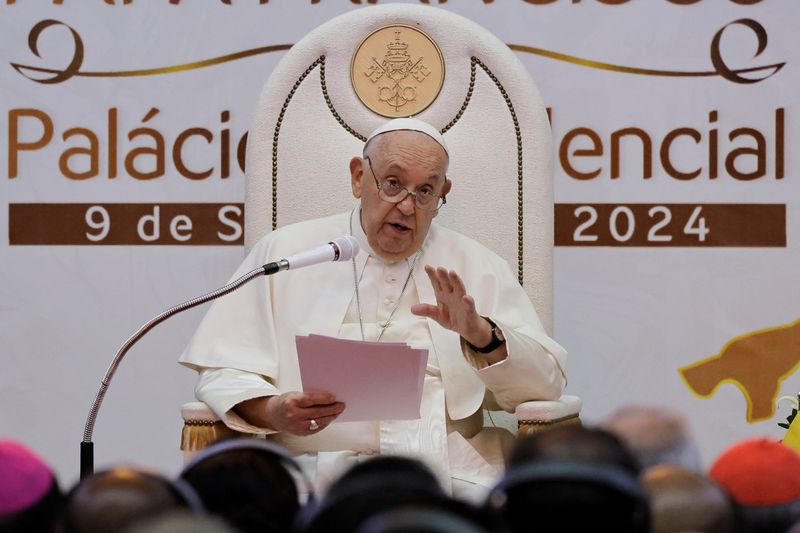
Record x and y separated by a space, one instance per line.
399 94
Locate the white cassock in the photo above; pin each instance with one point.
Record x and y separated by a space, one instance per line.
245 348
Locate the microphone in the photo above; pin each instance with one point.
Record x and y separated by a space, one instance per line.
340 249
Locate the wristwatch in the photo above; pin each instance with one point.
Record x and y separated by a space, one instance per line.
497 340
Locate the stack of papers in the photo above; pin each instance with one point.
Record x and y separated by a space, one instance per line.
375 380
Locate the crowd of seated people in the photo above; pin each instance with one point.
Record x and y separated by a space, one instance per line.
569 478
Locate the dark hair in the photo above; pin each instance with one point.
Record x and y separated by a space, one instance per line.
247 484
685 500
420 519
113 499
181 521
775 518
575 443
41 516
571 479
378 485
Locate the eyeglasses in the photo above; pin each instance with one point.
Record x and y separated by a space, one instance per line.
392 191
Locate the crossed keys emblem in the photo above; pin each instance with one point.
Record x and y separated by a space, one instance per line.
395 74
391 81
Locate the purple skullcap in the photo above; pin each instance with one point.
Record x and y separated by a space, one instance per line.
24 477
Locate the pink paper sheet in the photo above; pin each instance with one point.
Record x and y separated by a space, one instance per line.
375 380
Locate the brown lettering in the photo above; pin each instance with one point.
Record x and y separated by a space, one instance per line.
779 127
564 154
241 151
713 147
93 151
759 152
225 147
157 150
15 146
647 151
666 144
177 155
112 143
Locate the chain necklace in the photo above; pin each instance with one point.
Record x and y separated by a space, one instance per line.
357 280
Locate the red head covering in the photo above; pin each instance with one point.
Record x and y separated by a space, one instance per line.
759 472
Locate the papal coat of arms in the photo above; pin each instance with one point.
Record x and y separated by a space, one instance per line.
397 71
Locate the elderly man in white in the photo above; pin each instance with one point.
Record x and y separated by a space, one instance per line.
412 281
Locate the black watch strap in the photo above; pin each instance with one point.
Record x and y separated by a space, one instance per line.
494 344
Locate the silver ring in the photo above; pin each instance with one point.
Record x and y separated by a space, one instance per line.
313 426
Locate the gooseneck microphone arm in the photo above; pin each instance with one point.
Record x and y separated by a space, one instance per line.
87 446
340 249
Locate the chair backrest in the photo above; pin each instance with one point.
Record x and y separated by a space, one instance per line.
312 118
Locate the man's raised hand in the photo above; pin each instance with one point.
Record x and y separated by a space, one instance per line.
454 309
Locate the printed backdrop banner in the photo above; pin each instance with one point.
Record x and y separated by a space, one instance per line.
122 144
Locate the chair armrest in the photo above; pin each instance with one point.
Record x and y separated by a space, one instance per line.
539 415
198 413
201 427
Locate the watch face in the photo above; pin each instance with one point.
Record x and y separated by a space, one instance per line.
498 334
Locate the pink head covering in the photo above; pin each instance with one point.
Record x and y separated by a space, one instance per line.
24 477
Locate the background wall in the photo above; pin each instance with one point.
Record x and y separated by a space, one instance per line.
676 188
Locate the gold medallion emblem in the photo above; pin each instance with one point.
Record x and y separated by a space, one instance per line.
397 71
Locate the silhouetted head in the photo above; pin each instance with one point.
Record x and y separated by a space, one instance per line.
655 435
246 481
111 500
685 500
181 522
763 478
376 486
421 519
575 443
571 479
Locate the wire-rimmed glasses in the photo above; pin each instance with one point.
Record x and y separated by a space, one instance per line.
392 191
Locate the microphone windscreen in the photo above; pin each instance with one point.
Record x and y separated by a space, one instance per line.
348 247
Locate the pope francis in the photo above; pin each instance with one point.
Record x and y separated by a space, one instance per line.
413 281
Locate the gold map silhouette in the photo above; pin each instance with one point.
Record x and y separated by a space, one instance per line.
756 362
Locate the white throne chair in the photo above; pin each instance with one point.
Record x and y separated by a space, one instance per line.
311 119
